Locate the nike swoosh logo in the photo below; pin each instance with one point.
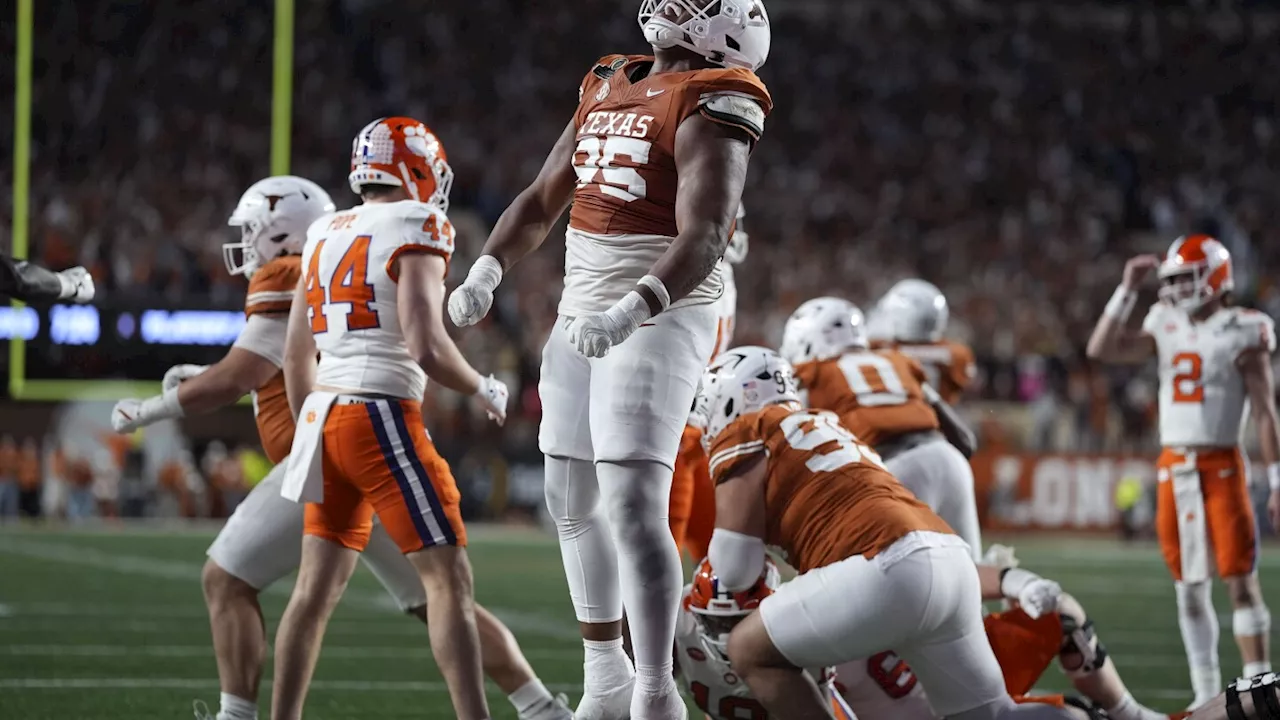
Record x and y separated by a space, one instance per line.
653 93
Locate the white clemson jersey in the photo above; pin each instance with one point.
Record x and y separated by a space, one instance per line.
883 687
1202 394
716 689
350 277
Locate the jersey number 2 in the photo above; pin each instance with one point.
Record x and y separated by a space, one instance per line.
731 707
1186 380
348 284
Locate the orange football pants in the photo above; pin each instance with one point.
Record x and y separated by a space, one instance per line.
693 497
377 457
1024 647
1228 512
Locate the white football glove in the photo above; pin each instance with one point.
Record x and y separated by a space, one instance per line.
471 301
492 396
1034 594
77 285
1000 556
131 413
594 335
178 373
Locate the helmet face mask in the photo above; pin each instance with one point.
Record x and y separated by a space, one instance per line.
726 32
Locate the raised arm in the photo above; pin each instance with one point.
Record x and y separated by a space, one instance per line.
1112 341
521 229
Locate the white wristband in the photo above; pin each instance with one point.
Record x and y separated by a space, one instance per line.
1013 580
486 272
659 291
1273 476
161 407
1121 304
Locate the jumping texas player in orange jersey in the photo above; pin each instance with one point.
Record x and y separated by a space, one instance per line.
879 570
882 397
260 542
911 318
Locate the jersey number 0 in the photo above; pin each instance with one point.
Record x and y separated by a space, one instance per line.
348 284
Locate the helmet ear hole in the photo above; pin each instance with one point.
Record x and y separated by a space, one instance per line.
728 408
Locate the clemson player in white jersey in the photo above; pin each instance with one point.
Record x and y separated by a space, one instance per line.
654 161
370 303
708 614
878 569
259 544
912 319
882 396
1215 367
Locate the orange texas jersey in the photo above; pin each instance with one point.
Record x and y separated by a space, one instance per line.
878 395
271 293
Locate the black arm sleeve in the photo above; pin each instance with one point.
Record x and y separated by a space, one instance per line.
956 431
21 280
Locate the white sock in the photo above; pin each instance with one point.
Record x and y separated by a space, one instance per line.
636 497
1129 709
606 666
1199 625
654 680
1256 668
236 708
530 695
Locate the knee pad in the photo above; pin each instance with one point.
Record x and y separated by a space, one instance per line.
1251 621
1078 638
1194 599
1262 690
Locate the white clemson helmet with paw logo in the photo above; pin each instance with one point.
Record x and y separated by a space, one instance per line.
273 216
733 33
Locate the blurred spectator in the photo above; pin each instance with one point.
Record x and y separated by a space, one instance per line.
9 488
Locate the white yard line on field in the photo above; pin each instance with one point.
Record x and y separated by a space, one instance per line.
212 684
519 621
203 651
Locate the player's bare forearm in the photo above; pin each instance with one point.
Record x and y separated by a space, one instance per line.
230 379
420 300
989 581
711 161
740 499
1112 342
299 352
524 225
1255 370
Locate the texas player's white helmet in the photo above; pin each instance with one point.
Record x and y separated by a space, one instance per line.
1196 269
915 311
741 381
735 34
823 328
273 216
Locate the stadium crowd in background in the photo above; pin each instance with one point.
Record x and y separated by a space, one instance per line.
1012 153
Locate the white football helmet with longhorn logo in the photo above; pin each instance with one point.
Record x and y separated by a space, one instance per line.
273 216
733 33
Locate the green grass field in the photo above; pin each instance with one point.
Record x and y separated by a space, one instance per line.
110 624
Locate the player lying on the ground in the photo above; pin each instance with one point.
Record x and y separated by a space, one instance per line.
708 613
879 570
1045 623
883 398
260 542
1214 363
1252 698
24 281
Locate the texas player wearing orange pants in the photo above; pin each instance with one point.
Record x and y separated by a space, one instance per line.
1214 365
1044 624
370 303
